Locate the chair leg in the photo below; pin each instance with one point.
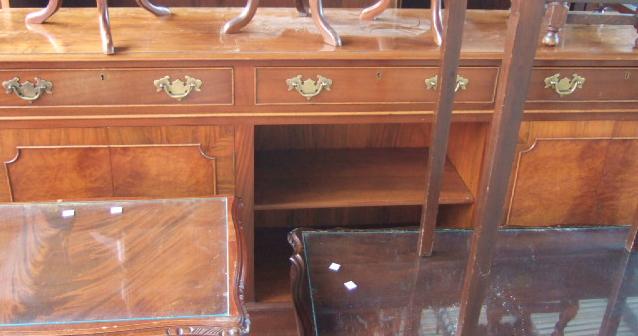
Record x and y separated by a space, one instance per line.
370 13
241 20
437 22
45 13
330 36
105 27
557 16
156 10
302 9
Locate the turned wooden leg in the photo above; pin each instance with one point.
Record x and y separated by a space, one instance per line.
302 9
557 16
330 36
241 20
105 27
156 10
45 13
437 22
370 13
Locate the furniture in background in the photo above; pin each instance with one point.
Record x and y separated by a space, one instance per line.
122 267
352 156
558 15
103 15
552 281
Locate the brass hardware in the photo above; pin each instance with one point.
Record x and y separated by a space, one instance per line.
178 89
27 90
564 86
309 88
432 83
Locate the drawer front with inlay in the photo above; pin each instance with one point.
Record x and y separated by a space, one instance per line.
564 85
116 87
367 85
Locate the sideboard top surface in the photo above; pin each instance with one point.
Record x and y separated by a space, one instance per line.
279 34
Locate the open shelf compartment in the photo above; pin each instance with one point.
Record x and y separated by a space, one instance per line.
334 178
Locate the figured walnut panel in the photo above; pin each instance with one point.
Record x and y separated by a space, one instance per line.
575 182
162 171
49 173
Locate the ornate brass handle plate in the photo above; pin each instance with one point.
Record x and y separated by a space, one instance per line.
461 83
564 86
27 90
309 88
178 89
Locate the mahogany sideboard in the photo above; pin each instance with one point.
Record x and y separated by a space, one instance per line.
306 134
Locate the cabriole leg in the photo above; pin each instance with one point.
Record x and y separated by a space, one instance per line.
105 27
156 10
241 20
45 13
370 13
330 36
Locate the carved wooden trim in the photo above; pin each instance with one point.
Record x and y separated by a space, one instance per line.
236 205
299 284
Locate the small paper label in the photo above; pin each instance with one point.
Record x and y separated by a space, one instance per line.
350 285
68 213
116 210
334 267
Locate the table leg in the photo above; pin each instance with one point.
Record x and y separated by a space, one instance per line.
105 27
156 10
557 16
45 13
330 36
370 13
437 22
523 30
632 236
243 19
302 9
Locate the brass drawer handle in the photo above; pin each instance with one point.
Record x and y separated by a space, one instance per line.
461 83
27 90
309 88
178 89
564 86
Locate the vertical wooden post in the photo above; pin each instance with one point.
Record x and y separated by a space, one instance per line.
617 298
446 86
520 47
632 236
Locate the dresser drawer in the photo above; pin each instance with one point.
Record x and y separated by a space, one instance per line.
365 85
583 85
119 87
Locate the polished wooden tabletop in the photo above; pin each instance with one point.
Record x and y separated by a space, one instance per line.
194 33
543 282
114 261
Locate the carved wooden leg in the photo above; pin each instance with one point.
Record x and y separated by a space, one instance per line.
45 13
302 9
565 316
105 27
241 20
370 13
156 10
330 36
557 16
437 22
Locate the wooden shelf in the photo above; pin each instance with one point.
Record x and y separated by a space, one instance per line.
335 178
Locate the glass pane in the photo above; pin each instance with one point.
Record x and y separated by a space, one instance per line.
542 281
113 260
